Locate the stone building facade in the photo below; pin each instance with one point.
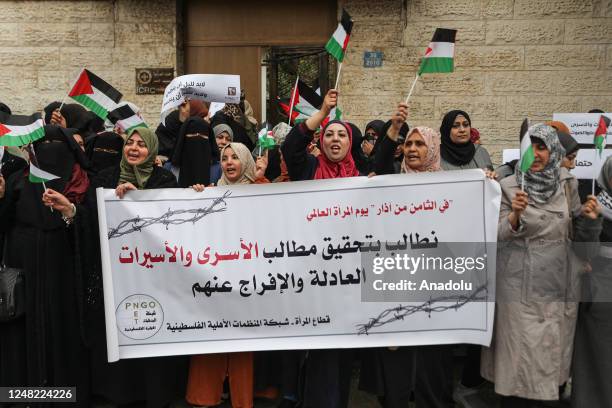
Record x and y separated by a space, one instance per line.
514 58
44 44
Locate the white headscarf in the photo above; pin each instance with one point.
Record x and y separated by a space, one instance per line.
247 165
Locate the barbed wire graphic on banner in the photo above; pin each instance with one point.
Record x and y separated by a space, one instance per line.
170 217
400 312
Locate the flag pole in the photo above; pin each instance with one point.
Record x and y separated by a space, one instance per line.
292 101
35 160
338 76
416 78
597 158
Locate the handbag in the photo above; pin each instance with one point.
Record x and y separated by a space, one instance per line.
12 291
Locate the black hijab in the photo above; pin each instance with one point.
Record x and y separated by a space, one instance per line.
361 161
377 125
239 131
453 153
168 133
77 117
193 153
56 153
568 142
104 150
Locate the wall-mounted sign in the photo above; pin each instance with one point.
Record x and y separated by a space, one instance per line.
153 81
372 59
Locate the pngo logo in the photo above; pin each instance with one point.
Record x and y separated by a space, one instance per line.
139 317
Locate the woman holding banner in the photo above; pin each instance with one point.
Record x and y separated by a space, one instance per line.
541 232
393 373
207 372
156 381
327 372
592 364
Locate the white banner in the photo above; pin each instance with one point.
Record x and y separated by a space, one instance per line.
583 125
204 87
588 163
281 266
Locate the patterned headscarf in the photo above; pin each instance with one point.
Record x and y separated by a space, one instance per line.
233 111
139 175
605 195
432 160
247 165
541 185
280 132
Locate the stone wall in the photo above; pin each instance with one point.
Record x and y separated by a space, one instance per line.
44 44
513 58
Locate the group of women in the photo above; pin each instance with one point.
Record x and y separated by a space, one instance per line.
550 246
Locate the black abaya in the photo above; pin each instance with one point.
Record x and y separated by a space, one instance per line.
156 381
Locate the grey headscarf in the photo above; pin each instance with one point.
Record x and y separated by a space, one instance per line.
605 195
280 132
542 185
217 130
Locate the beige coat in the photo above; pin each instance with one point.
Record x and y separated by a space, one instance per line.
537 276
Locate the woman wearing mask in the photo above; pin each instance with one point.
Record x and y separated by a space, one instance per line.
46 347
529 356
195 153
207 372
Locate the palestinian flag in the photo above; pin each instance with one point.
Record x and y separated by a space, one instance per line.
600 134
266 139
440 53
307 102
18 130
95 94
337 44
527 155
40 176
126 118
335 114
296 115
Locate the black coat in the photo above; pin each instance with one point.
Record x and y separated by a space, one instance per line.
159 380
47 346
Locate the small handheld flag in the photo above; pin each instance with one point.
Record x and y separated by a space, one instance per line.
439 55
19 130
95 94
126 119
599 140
338 43
527 154
40 176
306 103
266 139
